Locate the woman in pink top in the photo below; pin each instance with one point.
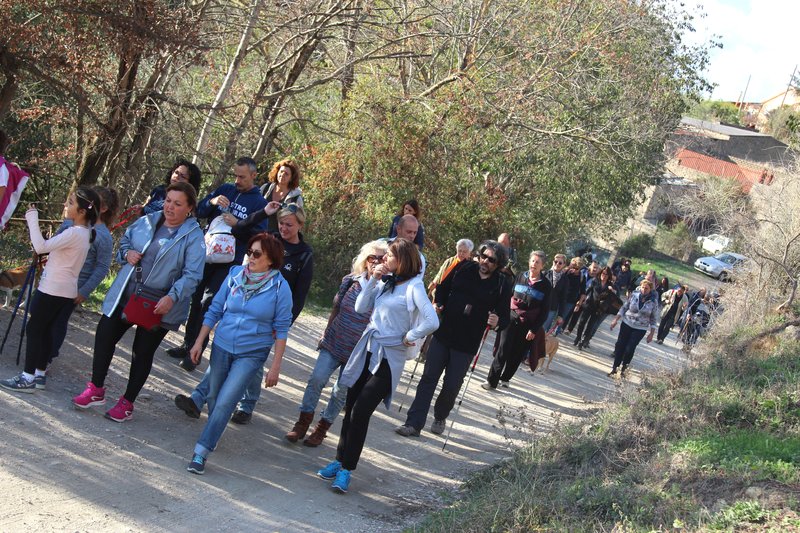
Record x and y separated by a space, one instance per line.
59 284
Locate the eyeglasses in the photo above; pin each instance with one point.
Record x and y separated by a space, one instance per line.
489 258
255 254
375 259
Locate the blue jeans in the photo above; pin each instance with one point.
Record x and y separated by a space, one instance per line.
248 400
323 370
228 375
548 323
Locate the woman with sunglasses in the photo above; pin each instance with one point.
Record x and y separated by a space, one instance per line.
402 316
345 327
297 269
253 307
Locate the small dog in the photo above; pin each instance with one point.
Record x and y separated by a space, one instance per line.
13 279
550 348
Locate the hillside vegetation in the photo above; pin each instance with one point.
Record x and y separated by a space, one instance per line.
716 447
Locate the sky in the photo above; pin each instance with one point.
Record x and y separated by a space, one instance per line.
759 39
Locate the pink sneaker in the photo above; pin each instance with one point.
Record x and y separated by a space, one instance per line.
89 397
121 412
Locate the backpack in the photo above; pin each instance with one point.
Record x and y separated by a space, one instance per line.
220 242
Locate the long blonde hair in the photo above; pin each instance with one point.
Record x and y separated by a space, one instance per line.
377 247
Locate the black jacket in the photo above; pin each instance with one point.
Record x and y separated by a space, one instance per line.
467 300
559 292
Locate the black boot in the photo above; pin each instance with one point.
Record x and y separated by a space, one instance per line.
622 373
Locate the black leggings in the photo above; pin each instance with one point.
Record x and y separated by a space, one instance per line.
109 331
362 400
47 313
513 347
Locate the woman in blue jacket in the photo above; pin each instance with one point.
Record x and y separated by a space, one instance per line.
253 307
168 251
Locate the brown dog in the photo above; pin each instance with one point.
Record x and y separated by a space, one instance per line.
13 279
550 348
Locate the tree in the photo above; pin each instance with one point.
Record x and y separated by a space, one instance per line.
784 124
716 110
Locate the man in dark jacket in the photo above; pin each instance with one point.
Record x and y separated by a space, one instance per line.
473 297
236 201
557 296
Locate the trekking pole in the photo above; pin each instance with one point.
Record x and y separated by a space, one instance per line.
420 358
409 384
466 385
26 286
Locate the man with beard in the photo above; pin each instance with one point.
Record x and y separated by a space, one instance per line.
474 296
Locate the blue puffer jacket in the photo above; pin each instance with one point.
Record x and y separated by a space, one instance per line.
177 269
249 326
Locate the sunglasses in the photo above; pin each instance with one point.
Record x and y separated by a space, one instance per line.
489 258
558 262
292 208
255 254
375 259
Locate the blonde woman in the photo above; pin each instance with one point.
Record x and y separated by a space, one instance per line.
345 327
639 318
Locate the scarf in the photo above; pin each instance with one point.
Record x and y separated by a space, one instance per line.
252 282
390 281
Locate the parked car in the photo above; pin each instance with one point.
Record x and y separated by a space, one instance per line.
721 266
714 243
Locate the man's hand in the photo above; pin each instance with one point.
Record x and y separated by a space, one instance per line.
221 201
492 321
229 219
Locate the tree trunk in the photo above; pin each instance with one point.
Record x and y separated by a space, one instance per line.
349 36
227 83
9 67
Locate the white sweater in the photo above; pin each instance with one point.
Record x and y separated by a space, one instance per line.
67 252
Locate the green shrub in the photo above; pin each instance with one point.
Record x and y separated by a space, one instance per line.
637 246
675 241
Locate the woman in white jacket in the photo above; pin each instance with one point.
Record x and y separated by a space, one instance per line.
402 316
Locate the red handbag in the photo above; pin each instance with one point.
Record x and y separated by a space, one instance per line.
140 309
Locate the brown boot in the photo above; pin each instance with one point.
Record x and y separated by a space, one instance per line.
300 427
316 438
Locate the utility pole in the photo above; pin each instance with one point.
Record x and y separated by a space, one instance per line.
788 86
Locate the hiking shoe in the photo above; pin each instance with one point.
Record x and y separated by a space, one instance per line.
19 384
487 386
121 412
92 395
330 470
241 417
437 427
342 481
187 405
197 465
187 364
40 382
504 384
179 352
407 431
612 373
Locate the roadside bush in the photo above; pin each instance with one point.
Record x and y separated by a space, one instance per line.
675 241
637 246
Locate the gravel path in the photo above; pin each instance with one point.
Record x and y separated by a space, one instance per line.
63 469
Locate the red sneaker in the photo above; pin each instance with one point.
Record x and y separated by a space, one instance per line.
121 412
89 397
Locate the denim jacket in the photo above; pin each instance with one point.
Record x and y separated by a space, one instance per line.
177 270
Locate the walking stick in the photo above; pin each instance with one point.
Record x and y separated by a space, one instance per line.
466 385
409 384
421 357
30 276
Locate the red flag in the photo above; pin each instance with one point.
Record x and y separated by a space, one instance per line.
17 179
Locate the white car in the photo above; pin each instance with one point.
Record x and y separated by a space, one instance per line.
721 266
714 243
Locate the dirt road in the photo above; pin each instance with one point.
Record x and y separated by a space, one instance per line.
63 469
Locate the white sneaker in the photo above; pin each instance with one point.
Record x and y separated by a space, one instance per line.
504 384
487 386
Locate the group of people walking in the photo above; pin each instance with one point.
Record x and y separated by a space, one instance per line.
382 313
